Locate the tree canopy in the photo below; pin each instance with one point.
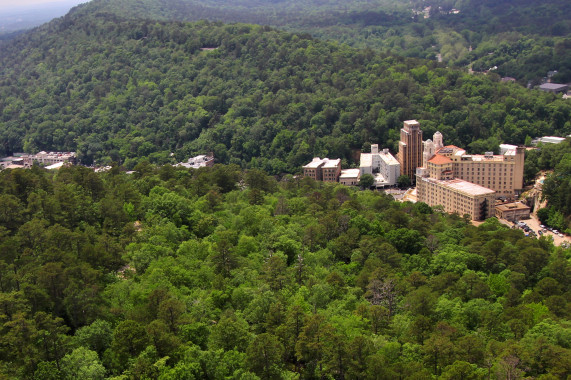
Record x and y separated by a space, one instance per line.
305 279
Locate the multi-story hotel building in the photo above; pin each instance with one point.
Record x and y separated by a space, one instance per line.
501 173
410 148
448 171
457 196
323 169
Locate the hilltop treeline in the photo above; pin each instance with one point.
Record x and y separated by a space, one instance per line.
215 273
524 39
115 89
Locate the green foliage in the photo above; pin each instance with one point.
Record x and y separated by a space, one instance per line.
82 363
117 88
339 283
366 181
403 181
523 42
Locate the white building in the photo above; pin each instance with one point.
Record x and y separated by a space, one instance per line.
198 162
382 165
350 177
504 148
551 139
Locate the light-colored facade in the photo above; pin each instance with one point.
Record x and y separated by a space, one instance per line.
468 184
410 148
457 196
350 177
323 169
382 165
25 160
198 162
502 173
513 211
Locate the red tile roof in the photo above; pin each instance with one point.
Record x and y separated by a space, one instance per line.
439 159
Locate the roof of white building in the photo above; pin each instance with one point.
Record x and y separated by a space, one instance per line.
553 86
331 163
388 158
55 166
366 160
315 163
552 139
350 173
507 146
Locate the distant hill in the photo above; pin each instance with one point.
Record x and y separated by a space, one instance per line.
117 88
14 18
524 39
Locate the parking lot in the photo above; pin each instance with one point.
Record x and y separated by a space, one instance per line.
534 224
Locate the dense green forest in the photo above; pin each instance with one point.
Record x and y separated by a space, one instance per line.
172 273
524 39
117 89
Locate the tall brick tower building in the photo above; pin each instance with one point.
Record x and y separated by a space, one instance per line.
410 148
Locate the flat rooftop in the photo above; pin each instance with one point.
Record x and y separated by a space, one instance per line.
462 186
326 162
331 163
508 146
552 139
367 159
315 163
553 86
512 206
481 157
388 158
350 173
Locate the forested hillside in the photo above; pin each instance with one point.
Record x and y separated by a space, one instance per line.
215 273
116 89
524 39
